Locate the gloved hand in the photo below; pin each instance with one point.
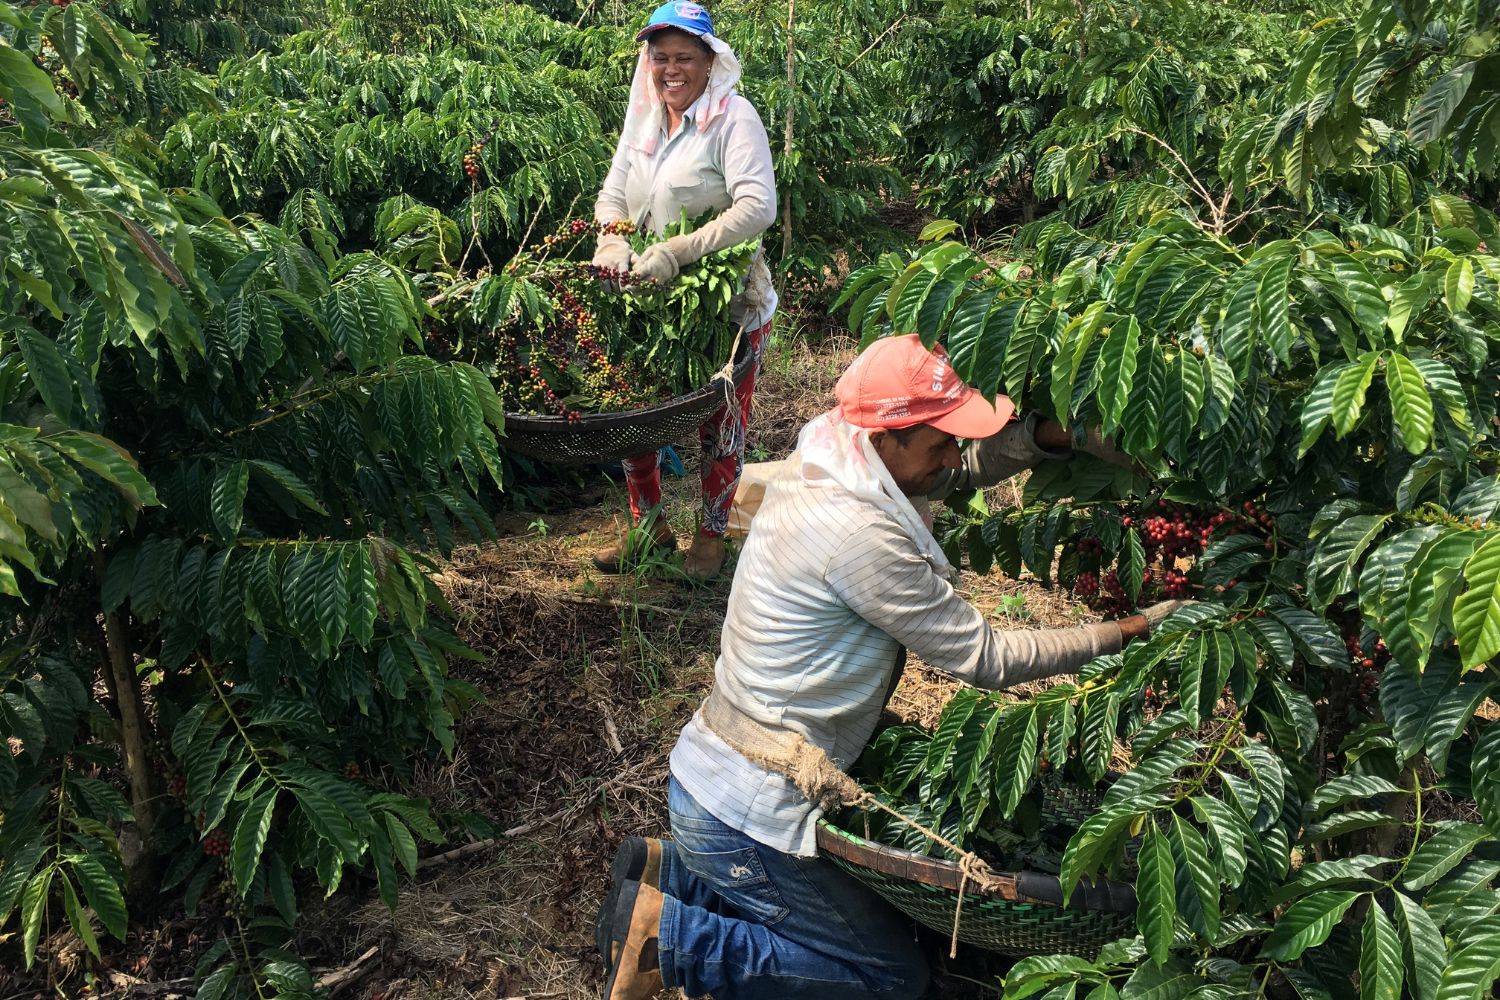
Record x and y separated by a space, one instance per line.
657 263
1089 441
614 256
1157 612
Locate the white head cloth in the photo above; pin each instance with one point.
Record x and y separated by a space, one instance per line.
644 116
832 451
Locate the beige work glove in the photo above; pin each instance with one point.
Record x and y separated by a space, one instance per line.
1158 612
658 263
613 256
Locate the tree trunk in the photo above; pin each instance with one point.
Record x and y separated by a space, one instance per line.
135 736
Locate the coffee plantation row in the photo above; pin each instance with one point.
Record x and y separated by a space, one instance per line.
272 276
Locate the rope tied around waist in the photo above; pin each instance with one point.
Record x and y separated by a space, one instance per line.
824 783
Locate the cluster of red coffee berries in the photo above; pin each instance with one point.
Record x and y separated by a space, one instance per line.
1171 534
1175 585
216 843
439 343
1368 662
1376 657
1179 531
471 159
168 769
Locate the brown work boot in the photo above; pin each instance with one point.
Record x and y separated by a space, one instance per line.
634 943
637 860
635 546
705 557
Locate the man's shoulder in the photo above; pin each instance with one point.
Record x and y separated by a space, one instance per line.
833 510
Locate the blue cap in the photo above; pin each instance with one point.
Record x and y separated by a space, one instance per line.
681 14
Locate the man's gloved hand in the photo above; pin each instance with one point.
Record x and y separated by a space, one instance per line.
1089 441
1155 614
658 263
613 254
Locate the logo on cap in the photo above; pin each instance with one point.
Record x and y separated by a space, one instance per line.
686 9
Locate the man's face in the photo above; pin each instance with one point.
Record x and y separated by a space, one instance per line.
916 457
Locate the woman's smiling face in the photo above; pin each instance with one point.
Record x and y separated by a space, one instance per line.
679 68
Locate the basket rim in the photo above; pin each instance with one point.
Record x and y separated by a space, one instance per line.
551 424
1039 888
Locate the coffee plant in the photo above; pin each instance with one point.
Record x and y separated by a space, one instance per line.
1297 341
223 459
1023 110
481 133
265 266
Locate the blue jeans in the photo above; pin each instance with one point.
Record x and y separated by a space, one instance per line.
743 921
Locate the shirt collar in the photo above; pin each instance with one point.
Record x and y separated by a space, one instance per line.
689 117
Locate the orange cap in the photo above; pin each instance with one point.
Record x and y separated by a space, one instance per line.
897 382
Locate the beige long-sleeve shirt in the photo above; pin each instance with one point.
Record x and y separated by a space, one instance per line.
827 589
724 168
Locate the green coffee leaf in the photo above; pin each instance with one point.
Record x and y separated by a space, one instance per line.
1433 110
78 919
1117 365
228 500
1476 613
1349 391
1307 924
102 892
1156 894
34 909
1380 968
1347 788
1441 852
1422 945
1411 406
1458 285
1472 970
249 841
1197 879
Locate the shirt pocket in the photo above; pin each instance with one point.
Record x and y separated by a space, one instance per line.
740 879
694 194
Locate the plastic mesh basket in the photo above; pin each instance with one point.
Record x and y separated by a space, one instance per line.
609 437
1024 916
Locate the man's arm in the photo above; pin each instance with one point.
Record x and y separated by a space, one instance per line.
881 576
1020 445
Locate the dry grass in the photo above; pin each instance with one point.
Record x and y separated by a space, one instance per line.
795 385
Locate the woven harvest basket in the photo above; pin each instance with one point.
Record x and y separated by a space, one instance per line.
1023 916
609 437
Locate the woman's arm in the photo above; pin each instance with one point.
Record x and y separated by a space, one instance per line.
610 205
751 181
613 252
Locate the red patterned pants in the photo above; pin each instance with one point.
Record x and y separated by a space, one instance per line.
722 438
